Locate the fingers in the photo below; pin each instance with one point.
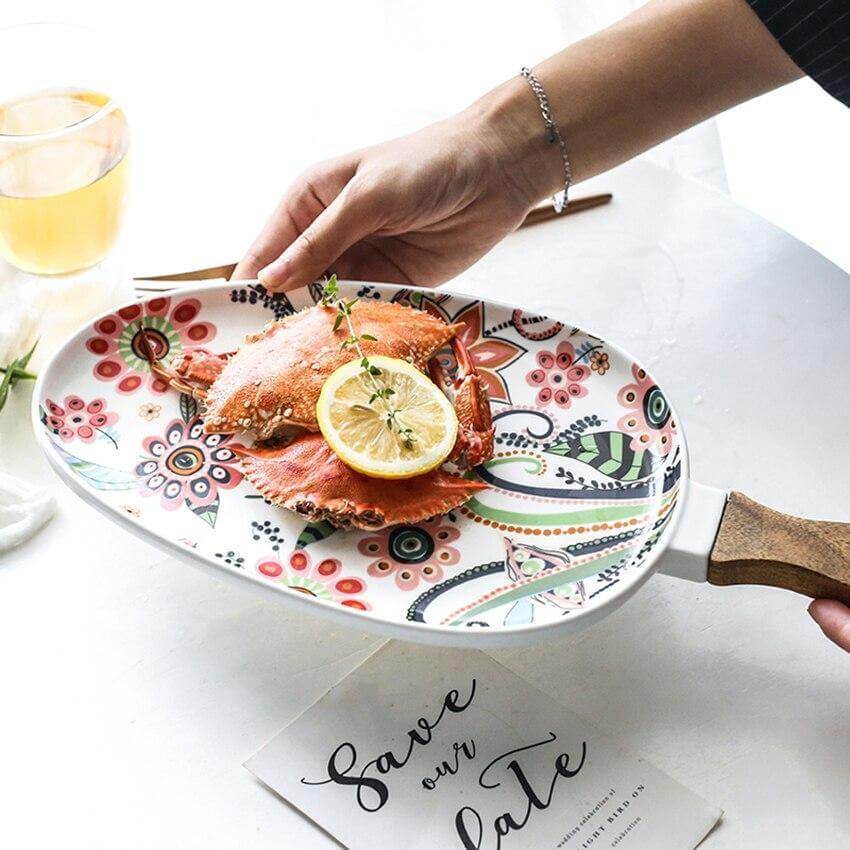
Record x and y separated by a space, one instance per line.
303 202
279 232
348 219
371 259
834 619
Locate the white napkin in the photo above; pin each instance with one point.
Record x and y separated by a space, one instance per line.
23 511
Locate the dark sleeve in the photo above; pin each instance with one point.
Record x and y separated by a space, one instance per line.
816 35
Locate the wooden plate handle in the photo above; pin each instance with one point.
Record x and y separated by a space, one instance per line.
757 545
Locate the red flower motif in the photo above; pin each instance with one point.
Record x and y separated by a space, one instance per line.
490 354
187 465
323 580
412 553
559 378
170 330
76 420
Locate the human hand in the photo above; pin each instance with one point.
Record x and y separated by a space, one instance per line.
834 619
422 208
418 209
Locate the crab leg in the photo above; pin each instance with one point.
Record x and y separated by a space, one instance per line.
475 435
193 372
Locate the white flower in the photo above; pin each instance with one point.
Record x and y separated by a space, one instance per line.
149 411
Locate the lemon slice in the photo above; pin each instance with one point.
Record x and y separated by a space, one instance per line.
356 428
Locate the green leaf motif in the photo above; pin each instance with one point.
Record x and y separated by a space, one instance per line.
97 475
562 449
208 513
313 532
609 452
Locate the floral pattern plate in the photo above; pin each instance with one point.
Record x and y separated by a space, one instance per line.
585 480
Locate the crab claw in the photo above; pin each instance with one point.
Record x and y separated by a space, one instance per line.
200 366
307 477
474 443
173 377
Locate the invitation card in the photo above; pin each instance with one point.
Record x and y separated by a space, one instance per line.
442 748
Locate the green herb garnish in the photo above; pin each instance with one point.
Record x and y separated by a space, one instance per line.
331 298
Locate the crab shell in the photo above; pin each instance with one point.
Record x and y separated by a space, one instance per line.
308 478
275 378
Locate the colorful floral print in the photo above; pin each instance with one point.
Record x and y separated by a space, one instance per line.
532 326
322 580
649 419
599 362
150 411
558 378
187 466
75 419
490 354
169 330
412 553
565 478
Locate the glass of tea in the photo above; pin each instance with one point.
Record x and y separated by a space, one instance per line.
63 149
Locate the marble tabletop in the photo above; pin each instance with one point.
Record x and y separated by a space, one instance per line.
134 687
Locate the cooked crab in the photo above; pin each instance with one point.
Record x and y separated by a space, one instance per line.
306 476
274 379
270 386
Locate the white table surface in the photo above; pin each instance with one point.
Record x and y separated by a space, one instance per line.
134 687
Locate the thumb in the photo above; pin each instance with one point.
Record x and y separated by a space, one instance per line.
834 620
345 221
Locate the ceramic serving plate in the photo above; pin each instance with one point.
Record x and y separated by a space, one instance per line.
585 483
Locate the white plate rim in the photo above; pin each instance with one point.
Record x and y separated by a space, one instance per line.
368 621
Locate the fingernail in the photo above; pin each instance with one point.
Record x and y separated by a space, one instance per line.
277 272
271 276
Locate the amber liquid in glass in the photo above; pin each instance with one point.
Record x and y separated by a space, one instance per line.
62 186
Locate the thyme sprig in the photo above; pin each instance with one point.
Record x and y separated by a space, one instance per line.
380 392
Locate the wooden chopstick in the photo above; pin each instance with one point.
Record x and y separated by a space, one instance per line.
540 213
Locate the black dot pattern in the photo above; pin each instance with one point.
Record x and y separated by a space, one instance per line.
231 559
265 530
277 302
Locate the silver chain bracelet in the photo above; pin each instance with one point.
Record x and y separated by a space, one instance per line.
553 135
